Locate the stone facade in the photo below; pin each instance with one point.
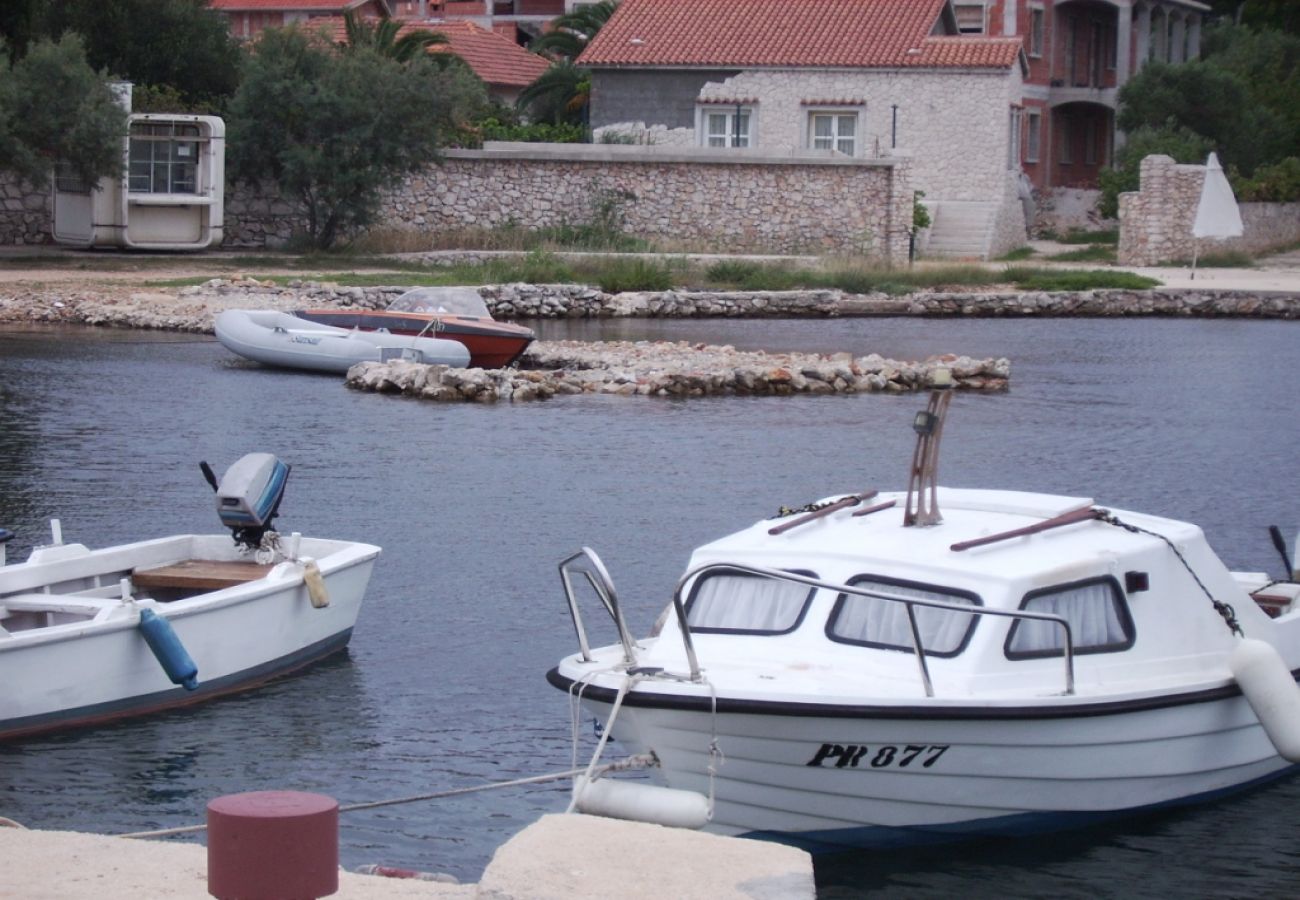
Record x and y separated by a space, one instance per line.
932 107
1155 222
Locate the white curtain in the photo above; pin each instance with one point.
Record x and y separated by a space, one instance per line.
885 621
746 603
1091 610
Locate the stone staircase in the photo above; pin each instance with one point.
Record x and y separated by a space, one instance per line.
960 229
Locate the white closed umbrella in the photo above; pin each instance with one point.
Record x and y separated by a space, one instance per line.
1217 215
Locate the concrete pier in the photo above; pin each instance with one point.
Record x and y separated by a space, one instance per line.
566 857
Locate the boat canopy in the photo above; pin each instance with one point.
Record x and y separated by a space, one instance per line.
451 301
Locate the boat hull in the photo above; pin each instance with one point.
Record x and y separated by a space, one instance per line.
279 339
837 779
95 671
491 344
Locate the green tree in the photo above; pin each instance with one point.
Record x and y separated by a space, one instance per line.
1183 145
559 95
183 44
381 36
570 33
332 130
54 108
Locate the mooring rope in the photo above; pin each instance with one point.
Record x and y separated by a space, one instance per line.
631 762
1223 609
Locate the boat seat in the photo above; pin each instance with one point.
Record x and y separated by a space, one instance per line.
200 575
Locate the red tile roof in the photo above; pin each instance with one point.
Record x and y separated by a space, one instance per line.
788 33
494 58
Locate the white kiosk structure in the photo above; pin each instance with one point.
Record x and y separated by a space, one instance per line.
171 196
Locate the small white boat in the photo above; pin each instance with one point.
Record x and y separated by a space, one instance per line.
868 670
279 339
90 636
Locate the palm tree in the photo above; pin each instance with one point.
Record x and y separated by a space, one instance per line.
569 33
381 36
559 95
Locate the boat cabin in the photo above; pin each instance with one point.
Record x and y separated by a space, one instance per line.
1000 606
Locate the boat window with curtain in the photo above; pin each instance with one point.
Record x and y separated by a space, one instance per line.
1095 610
739 603
880 622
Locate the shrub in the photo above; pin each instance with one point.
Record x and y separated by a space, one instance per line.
1077 280
1183 145
1278 183
635 274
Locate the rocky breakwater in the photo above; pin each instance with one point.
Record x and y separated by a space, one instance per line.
664 369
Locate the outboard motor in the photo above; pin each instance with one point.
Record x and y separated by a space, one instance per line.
249 495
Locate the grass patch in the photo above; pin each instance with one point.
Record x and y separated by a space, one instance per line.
1091 253
1018 254
1080 236
1077 280
635 274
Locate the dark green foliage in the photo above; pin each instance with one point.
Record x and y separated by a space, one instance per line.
180 43
559 95
920 215
1278 183
54 107
1077 279
638 274
18 19
1242 96
333 130
569 34
1078 236
493 129
1181 144
380 35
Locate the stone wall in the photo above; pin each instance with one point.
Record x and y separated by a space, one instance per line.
685 197
24 212
1155 222
690 197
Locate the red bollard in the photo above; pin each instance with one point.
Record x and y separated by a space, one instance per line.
273 845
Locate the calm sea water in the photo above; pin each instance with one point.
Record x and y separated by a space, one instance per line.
443 686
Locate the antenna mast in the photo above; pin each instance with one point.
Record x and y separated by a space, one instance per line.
924 481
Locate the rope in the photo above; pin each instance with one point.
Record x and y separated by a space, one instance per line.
631 762
1223 609
628 681
808 507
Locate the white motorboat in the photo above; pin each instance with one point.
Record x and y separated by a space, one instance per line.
89 636
869 670
279 339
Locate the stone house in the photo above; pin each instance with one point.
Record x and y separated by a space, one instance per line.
864 78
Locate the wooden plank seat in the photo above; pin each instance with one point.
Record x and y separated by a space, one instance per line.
199 575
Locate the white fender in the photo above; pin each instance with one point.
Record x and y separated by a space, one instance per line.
315 582
641 802
1272 693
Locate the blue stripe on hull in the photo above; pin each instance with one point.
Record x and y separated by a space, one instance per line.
128 707
837 840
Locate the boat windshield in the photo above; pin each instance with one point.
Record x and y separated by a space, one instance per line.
452 301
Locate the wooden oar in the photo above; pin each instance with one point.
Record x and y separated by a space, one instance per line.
1078 515
888 504
843 503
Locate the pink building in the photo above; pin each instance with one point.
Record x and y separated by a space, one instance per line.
1081 52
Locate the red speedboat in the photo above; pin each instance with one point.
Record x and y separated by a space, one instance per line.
451 313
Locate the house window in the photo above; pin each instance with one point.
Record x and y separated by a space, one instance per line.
726 127
1036 19
739 603
970 17
164 158
1034 124
1013 145
876 622
1095 610
833 131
